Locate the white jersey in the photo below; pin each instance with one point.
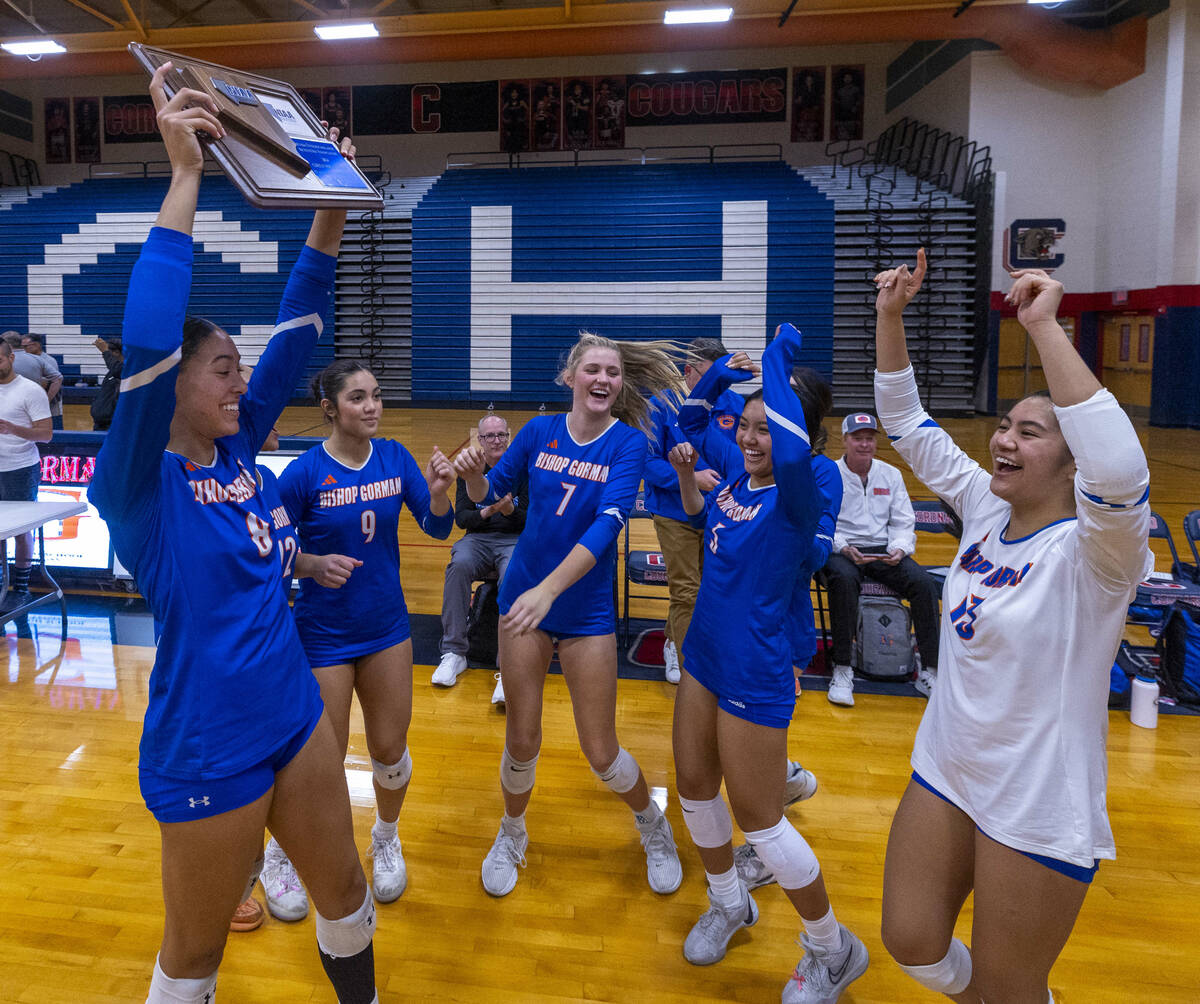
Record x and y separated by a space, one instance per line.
1015 731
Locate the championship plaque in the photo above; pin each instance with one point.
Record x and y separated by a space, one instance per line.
274 149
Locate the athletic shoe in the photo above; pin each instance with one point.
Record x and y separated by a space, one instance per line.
671 662
248 916
708 939
499 871
663 870
822 976
800 784
286 898
841 687
925 680
498 693
751 868
389 876
449 669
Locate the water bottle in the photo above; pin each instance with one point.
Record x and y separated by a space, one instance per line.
1143 705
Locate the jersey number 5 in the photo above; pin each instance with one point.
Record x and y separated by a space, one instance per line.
966 609
713 542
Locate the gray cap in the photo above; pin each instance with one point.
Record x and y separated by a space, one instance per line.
857 421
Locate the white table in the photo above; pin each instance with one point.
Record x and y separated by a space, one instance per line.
17 518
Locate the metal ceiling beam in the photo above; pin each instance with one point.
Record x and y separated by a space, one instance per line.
99 15
27 18
133 19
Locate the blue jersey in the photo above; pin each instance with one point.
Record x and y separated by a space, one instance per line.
287 543
230 684
356 512
759 542
579 493
662 483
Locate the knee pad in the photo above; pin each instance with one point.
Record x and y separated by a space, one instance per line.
347 936
622 774
787 854
950 976
517 776
165 990
708 822
255 871
393 776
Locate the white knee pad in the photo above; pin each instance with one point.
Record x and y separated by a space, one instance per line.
950 976
164 990
340 939
787 854
517 776
708 822
393 776
622 774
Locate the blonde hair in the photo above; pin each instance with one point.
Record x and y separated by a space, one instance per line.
647 368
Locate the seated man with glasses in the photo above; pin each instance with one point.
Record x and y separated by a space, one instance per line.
486 547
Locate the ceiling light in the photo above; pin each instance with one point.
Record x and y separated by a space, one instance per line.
336 32
43 47
698 15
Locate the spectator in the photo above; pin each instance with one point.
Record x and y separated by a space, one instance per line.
104 404
487 546
32 345
874 538
24 422
682 544
40 369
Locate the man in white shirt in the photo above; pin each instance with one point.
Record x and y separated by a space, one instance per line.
24 422
40 368
874 539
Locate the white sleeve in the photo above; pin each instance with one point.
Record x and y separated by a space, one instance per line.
902 521
927 448
1112 490
37 405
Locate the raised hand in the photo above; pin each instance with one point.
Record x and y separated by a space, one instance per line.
897 286
346 146
470 462
439 473
181 118
741 367
683 458
1035 295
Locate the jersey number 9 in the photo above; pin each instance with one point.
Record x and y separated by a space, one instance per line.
368 525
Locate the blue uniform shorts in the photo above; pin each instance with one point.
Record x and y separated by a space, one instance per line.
773 714
175 800
1079 873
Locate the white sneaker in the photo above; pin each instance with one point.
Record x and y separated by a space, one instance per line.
925 680
751 868
389 874
286 898
822 976
671 662
449 670
498 693
663 870
708 939
499 872
841 687
800 784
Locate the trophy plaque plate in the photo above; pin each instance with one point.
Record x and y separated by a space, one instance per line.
274 149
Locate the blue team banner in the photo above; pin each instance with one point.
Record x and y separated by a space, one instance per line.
509 266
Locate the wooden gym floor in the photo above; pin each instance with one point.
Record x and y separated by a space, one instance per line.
81 911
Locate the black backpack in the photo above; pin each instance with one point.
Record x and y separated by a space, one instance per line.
1179 654
483 624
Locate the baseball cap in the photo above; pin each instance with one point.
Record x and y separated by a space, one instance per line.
857 421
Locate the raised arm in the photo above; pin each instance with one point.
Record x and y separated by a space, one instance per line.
791 453
1036 297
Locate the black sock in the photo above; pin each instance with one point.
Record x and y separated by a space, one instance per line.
20 578
352 977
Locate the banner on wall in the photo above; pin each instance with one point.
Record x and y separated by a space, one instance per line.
577 113
846 104
331 104
1030 243
547 114
610 105
87 130
707 98
406 109
58 131
515 124
130 119
808 104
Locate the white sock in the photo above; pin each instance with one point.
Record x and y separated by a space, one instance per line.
825 933
513 825
383 830
165 990
648 817
726 888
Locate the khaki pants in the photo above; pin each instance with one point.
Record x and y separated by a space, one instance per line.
683 548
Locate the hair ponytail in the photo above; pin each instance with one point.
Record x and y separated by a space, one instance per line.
647 368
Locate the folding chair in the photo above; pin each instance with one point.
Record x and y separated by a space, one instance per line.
1191 530
1150 603
642 568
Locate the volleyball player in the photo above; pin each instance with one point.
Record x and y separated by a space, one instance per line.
235 737
1009 768
584 469
345 496
737 693
695 421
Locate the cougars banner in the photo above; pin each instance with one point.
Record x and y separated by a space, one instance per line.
707 98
